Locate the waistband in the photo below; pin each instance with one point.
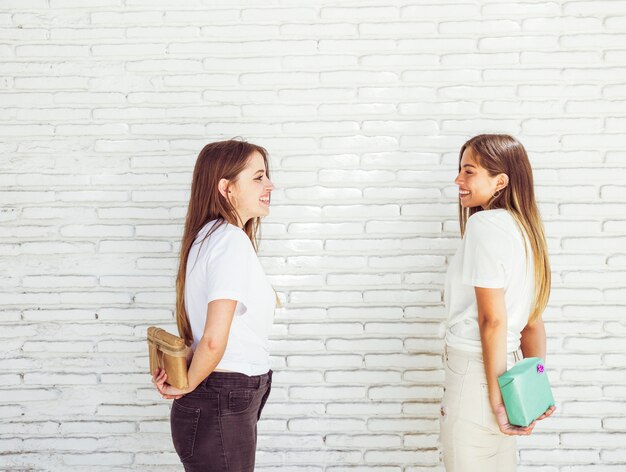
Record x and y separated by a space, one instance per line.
237 379
514 356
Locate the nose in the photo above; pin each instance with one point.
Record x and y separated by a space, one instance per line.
269 186
457 180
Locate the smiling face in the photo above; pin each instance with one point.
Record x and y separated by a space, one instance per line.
476 186
250 192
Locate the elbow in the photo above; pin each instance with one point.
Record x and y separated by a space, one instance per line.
490 323
214 344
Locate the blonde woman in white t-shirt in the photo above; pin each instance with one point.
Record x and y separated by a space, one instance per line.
225 307
497 287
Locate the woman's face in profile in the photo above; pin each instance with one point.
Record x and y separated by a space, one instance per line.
476 186
250 193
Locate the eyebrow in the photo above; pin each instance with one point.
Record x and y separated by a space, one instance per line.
469 165
259 171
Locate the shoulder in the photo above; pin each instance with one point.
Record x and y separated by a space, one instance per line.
231 237
491 226
488 219
224 238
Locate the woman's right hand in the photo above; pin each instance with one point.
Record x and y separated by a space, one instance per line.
506 427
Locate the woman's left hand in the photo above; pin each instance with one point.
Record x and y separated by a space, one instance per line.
159 378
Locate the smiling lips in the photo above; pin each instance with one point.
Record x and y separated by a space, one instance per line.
463 193
265 200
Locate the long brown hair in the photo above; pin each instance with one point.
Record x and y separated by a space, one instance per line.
503 154
216 161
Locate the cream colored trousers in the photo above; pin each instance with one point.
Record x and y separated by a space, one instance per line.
470 438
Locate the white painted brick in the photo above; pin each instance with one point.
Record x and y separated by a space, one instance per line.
403 227
402 360
323 193
395 262
565 23
483 59
51 50
525 42
458 10
593 8
436 44
26 130
401 193
325 228
134 246
267 78
238 31
478 27
564 57
402 424
566 456
404 29
413 440
363 279
128 49
519 8
598 106
195 16
55 83
440 76
326 61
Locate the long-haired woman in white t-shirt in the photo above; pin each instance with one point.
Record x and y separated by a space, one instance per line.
224 311
497 287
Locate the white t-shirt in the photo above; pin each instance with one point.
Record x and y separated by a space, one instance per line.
225 266
491 255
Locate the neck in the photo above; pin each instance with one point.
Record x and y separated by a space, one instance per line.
241 222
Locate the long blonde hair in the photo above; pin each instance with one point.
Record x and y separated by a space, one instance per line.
216 161
503 154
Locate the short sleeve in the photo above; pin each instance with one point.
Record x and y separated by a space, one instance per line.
485 253
228 269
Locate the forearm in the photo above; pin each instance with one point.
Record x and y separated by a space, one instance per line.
205 359
533 341
493 339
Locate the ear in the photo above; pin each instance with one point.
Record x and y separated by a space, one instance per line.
223 187
502 182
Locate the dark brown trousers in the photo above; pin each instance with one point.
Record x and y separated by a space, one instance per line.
214 427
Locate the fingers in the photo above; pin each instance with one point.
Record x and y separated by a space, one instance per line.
512 430
155 374
548 413
159 379
519 432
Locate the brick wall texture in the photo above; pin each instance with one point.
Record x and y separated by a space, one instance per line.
363 107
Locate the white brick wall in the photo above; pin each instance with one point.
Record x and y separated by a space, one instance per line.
363 106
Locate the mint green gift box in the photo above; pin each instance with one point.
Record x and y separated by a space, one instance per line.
526 391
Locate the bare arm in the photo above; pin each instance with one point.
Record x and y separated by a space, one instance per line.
212 345
534 340
209 350
492 323
534 345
